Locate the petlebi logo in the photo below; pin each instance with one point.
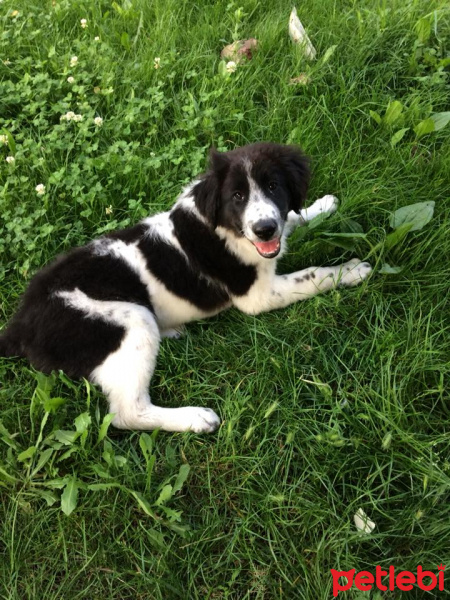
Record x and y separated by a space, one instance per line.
388 580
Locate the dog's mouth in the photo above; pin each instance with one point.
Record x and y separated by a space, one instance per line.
268 249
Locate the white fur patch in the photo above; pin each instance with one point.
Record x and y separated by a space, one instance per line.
125 374
170 310
259 207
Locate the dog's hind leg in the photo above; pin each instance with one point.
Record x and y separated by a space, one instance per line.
125 374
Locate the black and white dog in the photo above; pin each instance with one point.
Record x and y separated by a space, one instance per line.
100 311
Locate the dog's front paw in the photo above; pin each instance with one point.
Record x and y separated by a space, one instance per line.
327 204
354 272
202 420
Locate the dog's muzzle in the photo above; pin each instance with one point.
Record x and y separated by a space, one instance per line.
267 245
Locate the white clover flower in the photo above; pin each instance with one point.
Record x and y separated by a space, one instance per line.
69 116
71 80
4 139
157 62
83 23
231 66
40 189
73 61
10 160
97 38
7 62
78 118
109 209
98 121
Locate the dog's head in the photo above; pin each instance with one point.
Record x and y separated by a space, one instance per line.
249 191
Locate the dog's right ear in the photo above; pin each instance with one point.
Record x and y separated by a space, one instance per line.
207 193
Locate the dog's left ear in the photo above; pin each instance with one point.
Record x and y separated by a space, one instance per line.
207 193
297 170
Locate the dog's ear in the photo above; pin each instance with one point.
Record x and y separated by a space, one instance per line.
296 167
207 193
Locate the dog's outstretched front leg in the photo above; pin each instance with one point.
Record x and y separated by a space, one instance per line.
327 204
283 290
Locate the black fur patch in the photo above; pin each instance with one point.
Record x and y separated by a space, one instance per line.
171 268
130 234
53 336
209 255
100 277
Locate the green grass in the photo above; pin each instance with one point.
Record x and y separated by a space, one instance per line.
328 406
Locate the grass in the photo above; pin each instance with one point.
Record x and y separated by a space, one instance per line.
328 406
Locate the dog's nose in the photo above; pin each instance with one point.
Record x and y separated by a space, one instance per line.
265 229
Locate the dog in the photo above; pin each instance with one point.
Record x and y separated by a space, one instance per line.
100 310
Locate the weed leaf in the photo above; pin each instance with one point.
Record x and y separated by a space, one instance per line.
388 270
440 120
102 487
66 437
375 116
181 478
43 459
346 244
49 497
28 453
69 496
125 40
6 437
165 495
424 127
107 420
418 215
352 235
351 226
143 504
146 444
397 236
6 476
156 538
398 135
51 405
318 220
393 112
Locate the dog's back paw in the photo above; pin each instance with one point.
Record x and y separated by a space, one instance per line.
174 334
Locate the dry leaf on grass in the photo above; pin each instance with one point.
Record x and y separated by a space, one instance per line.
237 51
362 522
299 36
302 79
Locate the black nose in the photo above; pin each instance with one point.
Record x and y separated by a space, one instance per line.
265 229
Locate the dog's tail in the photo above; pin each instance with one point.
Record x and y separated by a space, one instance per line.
9 344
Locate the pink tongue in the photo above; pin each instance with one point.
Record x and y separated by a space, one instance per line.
267 247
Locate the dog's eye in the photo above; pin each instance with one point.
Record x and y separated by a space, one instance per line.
238 196
273 186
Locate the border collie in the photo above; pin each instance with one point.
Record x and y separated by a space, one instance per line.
100 310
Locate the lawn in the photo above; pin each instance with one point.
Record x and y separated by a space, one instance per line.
329 406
